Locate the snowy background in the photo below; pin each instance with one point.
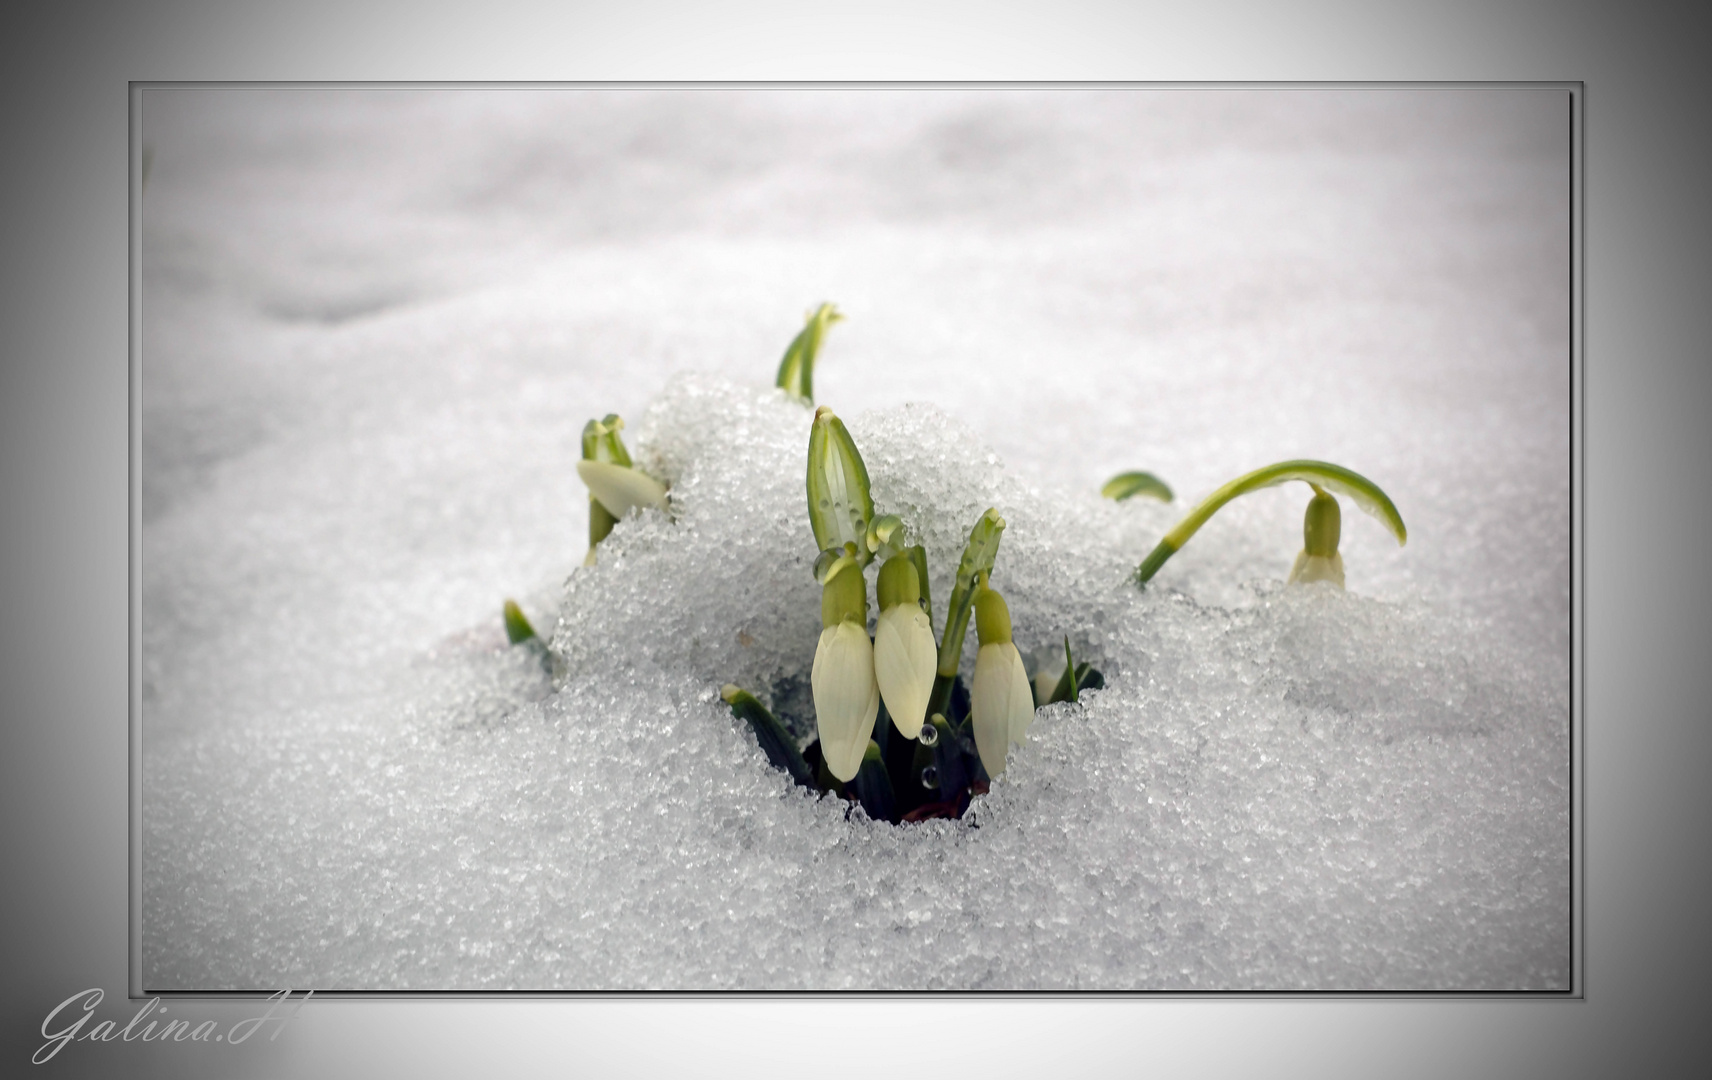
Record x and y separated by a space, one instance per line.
375 322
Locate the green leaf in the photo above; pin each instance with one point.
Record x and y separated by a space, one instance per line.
874 786
1067 688
775 741
796 370
978 557
601 441
839 505
517 628
1360 490
1124 485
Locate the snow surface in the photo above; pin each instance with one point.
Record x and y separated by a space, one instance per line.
374 323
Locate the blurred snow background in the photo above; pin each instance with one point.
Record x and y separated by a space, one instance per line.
375 321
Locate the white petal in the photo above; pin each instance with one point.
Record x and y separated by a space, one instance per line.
1310 568
905 660
1000 703
1021 699
619 488
846 698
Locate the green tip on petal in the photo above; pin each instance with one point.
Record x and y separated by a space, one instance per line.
1124 485
517 628
796 369
840 508
1320 474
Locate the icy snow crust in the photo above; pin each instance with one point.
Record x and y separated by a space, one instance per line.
366 363
1316 790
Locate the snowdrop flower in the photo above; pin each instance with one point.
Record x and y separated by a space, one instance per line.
615 486
1321 528
1319 560
1001 702
846 697
905 654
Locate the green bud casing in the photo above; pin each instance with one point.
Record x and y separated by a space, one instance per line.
1321 525
844 597
992 617
839 505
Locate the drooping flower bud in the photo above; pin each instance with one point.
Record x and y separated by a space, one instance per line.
1319 559
1322 476
846 696
905 655
1001 701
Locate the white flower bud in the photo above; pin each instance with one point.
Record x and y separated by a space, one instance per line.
1001 703
619 488
846 697
905 657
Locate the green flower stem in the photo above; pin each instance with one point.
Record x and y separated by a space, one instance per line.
978 557
796 369
918 556
1068 688
1364 492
